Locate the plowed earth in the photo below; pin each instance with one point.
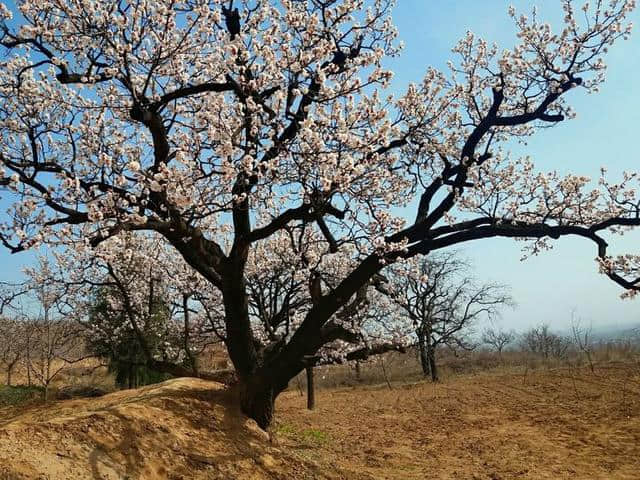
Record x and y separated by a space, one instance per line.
545 425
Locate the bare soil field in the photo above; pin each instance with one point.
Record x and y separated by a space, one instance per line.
562 423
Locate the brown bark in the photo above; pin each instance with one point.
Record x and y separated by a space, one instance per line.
257 400
431 354
311 388
422 349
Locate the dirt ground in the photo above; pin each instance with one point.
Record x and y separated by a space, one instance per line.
544 425
180 429
555 424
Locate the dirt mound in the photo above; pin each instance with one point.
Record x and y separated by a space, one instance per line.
183 428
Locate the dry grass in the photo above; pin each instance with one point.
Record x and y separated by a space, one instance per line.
405 368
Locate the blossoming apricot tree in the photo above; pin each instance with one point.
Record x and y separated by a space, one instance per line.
219 124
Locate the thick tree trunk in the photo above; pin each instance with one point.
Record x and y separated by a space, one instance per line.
257 400
239 339
131 380
264 374
258 393
311 388
422 350
431 354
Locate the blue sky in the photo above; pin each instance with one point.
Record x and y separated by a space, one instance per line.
549 286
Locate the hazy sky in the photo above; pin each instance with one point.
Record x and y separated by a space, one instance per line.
549 286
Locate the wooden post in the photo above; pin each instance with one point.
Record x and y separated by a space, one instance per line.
311 388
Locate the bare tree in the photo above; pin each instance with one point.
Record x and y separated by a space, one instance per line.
498 339
442 301
56 340
12 344
583 338
541 341
14 332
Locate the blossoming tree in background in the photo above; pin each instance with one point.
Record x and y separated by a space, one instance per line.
138 304
220 124
285 281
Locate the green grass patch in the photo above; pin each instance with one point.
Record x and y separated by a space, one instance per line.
285 429
315 436
19 395
307 436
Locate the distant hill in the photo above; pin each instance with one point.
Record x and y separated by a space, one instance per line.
615 332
